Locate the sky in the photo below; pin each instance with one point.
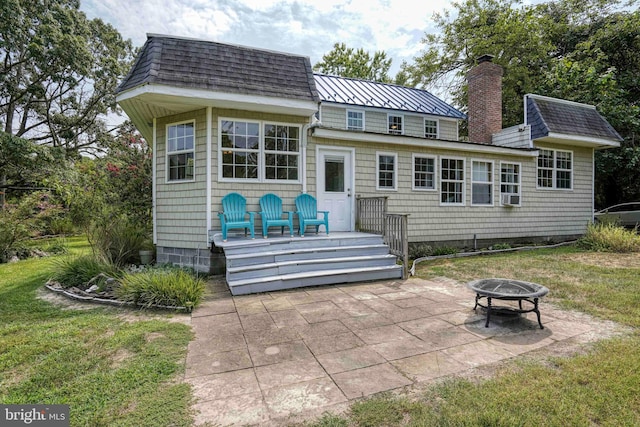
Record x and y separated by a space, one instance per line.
304 27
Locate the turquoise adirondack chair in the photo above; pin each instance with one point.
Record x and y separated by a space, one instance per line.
234 213
307 210
272 214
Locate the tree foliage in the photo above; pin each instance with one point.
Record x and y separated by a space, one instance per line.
355 63
582 50
58 72
117 183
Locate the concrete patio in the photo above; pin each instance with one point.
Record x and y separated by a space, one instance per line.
272 358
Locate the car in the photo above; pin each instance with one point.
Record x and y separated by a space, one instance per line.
625 214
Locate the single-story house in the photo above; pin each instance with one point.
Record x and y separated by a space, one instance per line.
225 118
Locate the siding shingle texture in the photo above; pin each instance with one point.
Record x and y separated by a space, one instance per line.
207 65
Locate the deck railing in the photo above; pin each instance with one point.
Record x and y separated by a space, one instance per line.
370 212
372 217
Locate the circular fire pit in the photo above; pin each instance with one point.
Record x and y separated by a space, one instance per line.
507 290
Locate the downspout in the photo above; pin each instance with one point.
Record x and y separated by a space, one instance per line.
303 163
313 123
209 183
154 171
593 184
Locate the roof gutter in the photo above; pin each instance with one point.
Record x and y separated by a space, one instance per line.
367 137
201 98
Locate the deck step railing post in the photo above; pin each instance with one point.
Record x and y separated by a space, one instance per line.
372 217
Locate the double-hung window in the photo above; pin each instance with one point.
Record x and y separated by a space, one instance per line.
355 120
510 179
555 169
395 124
281 152
424 172
430 129
481 183
451 181
240 149
180 151
259 151
386 171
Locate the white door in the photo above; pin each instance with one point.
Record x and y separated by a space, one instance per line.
335 187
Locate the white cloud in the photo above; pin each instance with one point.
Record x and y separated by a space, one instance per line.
307 27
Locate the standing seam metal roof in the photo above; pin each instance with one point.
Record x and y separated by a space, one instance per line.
364 93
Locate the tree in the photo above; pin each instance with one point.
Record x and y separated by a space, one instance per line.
58 72
355 63
24 164
514 34
128 166
583 50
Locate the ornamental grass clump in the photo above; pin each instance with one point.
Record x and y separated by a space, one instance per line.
609 237
79 271
162 287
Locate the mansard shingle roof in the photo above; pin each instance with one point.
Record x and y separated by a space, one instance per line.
207 65
557 116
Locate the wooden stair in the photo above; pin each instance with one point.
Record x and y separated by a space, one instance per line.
263 265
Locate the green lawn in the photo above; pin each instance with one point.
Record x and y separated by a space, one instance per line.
111 371
115 372
600 387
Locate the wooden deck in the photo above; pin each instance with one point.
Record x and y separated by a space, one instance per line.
284 262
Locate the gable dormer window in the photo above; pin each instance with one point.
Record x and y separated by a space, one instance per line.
395 124
430 129
355 120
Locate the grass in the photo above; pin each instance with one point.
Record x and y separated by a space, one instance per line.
599 387
158 287
112 372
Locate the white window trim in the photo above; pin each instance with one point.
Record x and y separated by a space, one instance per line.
353 110
492 182
464 181
261 152
555 170
424 125
413 172
519 193
402 121
395 170
169 153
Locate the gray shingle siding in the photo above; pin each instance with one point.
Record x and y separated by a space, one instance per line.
212 66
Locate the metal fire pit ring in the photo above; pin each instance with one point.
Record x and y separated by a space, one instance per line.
507 290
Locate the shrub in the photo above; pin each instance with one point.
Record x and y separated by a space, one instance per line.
14 230
161 287
500 246
57 247
444 250
78 271
420 250
609 237
117 238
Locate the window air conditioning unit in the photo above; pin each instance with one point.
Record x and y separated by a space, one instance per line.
510 199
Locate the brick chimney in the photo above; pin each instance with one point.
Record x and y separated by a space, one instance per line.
485 100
